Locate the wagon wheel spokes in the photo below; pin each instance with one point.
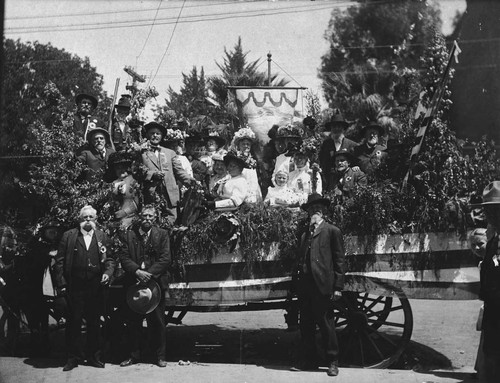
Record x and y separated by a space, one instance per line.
375 330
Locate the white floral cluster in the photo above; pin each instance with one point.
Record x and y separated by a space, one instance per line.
175 134
244 133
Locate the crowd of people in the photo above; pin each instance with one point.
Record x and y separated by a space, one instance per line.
283 172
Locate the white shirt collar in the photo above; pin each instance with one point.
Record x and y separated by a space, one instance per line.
84 232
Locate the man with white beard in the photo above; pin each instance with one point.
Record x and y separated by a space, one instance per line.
370 153
83 268
95 154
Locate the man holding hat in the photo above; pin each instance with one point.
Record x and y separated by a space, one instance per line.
82 270
95 154
320 281
370 153
334 142
163 170
145 259
83 121
490 285
344 180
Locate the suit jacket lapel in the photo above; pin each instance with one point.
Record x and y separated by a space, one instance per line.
318 229
152 157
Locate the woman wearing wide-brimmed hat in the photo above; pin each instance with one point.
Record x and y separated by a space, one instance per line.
219 175
243 142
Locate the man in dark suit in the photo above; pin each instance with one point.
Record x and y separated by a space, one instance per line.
490 285
320 281
344 180
333 143
370 154
82 269
163 171
84 121
146 256
95 154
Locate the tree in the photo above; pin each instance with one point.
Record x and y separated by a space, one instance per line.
374 47
190 101
237 71
30 68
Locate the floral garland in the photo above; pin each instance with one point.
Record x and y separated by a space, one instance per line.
289 131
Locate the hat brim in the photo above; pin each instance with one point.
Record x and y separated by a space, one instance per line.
81 96
156 125
218 140
92 132
228 158
321 201
343 124
380 129
153 302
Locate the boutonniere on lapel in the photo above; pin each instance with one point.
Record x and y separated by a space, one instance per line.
102 251
93 124
378 153
348 178
496 260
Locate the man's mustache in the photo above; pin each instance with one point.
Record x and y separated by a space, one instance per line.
85 224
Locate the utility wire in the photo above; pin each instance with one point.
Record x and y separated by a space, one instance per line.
142 23
289 75
168 45
149 34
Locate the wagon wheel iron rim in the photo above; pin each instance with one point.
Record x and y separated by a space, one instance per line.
373 331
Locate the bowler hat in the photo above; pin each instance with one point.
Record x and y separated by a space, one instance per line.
91 132
344 152
143 298
81 96
315 198
491 194
124 102
151 125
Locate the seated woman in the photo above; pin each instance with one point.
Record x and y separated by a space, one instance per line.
219 174
243 141
301 179
234 191
281 194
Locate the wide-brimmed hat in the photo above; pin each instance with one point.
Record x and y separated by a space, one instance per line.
345 153
491 194
91 132
373 125
151 125
237 157
337 119
315 198
218 139
289 131
122 157
81 96
143 298
243 133
124 102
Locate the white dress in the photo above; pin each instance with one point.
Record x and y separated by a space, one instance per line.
254 193
300 182
233 192
281 196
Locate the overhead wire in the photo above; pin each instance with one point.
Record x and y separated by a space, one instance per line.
168 45
149 34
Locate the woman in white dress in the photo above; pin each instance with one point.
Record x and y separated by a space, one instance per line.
301 180
234 191
243 141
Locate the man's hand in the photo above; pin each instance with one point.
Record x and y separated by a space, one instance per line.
143 276
158 176
104 279
336 296
120 214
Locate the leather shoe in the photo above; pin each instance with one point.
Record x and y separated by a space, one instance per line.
70 364
128 362
333 369
95 363
161 363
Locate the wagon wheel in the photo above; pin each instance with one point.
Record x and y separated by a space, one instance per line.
373 330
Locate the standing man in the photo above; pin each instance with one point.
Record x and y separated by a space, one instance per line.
163 169
95 154
344 180
82 271
320 281
145 258
85 105
490 285
121 131
333 143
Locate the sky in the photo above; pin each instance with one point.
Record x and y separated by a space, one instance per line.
162 39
